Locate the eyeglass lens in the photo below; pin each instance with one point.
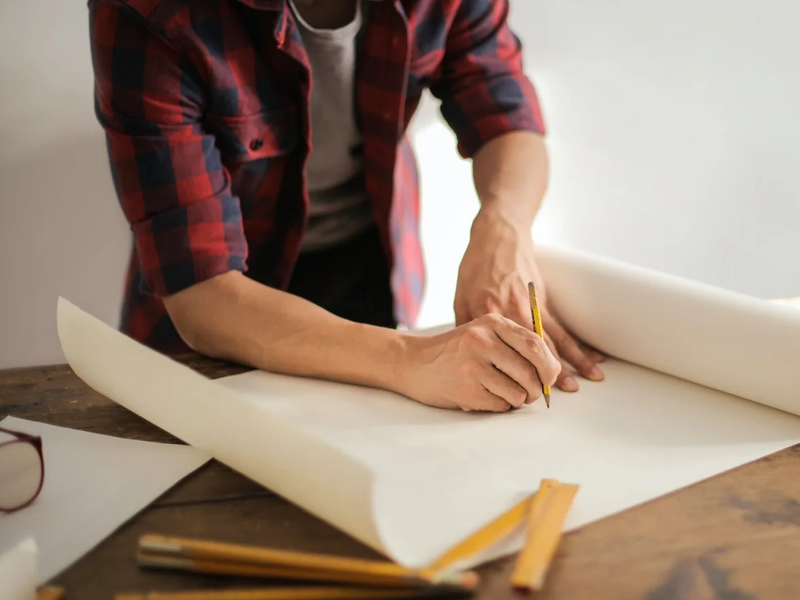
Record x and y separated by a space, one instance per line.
20 474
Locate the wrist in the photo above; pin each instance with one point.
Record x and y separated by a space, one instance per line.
387 353
494 221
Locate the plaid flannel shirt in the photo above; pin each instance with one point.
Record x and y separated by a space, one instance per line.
205 107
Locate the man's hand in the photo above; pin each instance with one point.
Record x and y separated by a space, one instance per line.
489 364
493 278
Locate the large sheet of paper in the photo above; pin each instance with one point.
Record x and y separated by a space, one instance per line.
93 484
724 340
693 389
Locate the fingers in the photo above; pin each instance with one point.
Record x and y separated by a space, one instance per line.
518 361
531 347
571 352
486 400
522 374
565 381
591 353
505 385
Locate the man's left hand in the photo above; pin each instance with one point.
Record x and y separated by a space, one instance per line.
493 278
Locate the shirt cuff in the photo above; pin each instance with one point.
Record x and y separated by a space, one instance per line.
514 107
190 244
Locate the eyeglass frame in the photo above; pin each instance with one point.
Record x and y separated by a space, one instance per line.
36 442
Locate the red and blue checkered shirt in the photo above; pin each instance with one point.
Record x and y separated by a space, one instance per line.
205 106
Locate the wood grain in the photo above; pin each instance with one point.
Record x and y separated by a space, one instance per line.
732 537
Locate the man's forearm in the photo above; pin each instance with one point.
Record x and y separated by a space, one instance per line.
235 318
511 176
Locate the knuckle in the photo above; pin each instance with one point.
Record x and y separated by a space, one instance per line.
514 393
536 345
474 336
492 319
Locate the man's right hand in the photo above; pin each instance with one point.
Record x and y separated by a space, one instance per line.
489 364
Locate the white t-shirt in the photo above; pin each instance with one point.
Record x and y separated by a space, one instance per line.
339 208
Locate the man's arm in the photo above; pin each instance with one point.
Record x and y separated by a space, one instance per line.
492 107
189 236
187 224
233 317
484 92
511 176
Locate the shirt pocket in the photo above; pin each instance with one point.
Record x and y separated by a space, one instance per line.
252 137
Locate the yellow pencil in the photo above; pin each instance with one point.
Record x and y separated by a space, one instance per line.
537 326
207 556
483 538
297 593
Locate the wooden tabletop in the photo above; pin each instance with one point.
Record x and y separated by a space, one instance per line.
733 537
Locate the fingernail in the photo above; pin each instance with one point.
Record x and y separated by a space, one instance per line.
570 385
596 374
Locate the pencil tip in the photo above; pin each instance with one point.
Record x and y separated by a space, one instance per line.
547 400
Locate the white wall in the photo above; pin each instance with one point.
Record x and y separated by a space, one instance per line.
674 136
61 231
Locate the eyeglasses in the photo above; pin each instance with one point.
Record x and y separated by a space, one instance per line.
21 470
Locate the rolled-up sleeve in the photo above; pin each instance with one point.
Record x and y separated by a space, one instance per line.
482 86
167 171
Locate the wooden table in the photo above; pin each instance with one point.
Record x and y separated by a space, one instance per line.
733 537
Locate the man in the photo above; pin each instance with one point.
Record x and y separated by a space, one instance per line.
258 151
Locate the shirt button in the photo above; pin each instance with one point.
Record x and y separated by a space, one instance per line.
256 144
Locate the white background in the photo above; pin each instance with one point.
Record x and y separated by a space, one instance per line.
674 138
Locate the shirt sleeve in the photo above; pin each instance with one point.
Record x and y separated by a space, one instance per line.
167 171
482 86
